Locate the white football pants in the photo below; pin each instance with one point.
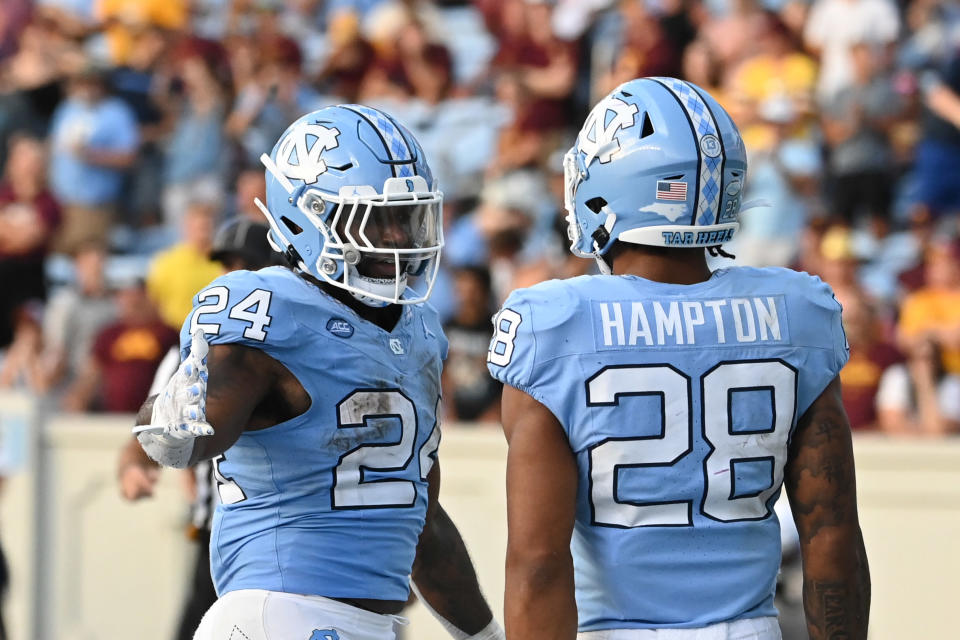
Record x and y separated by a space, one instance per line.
255 614
746 629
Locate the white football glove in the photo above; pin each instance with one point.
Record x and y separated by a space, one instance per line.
179 412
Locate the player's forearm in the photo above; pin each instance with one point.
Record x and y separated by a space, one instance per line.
836 586
539 601
445 577
821 481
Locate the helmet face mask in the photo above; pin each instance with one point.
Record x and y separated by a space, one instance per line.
659 163
383 239
363 215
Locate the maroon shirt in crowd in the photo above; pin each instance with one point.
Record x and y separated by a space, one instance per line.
128 356
46 208
861 379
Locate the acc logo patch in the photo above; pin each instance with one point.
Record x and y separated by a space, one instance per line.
598 139
298 157
339 327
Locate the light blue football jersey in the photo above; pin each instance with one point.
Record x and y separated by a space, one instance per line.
332 502
679 403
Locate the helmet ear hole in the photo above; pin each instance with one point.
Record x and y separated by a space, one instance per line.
595 204
647 128
291 225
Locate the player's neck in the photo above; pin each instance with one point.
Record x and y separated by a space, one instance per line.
384 317
671 266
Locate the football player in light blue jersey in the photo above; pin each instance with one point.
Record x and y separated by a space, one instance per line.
316 391
653 412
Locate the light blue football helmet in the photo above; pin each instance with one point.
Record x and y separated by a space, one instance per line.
658 162
352 201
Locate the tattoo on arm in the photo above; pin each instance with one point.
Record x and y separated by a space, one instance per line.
832 597
821 483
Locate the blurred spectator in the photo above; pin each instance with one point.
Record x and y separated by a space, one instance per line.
932 313
919 397
73 318
125 356
179 272
124 19
835 26
777 73
94 140
30 88
144 84
406 64
241 243
196 154
787 183
29 216
856 123
270 93
349 58
521 141
701 67
809 258
544 65
839 264
470 393
918 235
511 232
645 49
937 167
15 16
730 33
871 356
251 184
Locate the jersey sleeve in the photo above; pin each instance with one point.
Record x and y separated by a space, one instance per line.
528 341
818 326
822 296
241 307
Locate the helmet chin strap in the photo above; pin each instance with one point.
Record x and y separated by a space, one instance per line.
603 265
379 288
603 233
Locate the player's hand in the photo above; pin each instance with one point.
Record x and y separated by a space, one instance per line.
179 411
137 481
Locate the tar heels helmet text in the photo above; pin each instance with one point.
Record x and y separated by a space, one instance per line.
352 202
658 162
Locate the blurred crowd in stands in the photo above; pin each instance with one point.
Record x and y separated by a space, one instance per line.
129 129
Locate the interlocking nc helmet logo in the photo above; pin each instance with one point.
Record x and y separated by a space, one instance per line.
396 346
298 157
598 139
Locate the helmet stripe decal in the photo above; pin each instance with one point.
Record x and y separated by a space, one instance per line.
693 132
399 152
709 149
723 157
